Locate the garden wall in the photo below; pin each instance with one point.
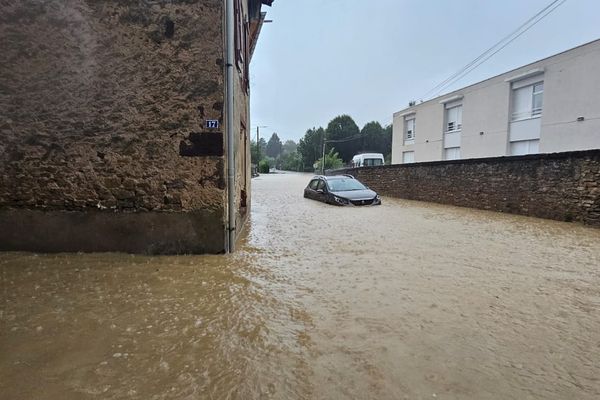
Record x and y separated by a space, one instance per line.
561 186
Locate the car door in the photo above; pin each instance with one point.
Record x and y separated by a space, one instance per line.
311 189
321 192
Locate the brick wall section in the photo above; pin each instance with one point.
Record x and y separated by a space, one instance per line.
96 97
561 186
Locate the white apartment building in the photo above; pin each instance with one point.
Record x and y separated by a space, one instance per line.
552 105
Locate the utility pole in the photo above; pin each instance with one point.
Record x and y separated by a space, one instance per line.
258 144
323 159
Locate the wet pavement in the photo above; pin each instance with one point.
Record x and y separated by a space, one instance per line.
407 300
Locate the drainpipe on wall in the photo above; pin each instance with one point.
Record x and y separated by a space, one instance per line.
229 76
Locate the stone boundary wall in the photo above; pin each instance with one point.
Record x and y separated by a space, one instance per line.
562 186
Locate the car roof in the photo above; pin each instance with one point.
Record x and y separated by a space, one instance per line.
329 177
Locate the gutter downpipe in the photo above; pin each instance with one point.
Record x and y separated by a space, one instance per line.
229 100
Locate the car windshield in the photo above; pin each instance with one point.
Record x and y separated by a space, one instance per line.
344 184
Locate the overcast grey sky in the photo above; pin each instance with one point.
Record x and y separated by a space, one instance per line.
322 58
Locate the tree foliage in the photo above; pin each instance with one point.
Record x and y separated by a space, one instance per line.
332 161
254 152
376 139
310 147
343 127
263 167
290 162
289 147
274 146
306 154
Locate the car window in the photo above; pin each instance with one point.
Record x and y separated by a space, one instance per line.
313 184
345 184
321 184
370 162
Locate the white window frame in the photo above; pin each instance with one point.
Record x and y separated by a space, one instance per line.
536 87
535 143
404 153
409 138
537 111
457 149
458 127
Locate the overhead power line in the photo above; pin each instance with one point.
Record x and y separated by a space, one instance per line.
347 139
486 55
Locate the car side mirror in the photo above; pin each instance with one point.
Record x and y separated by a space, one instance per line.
320 191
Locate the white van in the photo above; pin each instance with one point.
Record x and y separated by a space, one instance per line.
367 160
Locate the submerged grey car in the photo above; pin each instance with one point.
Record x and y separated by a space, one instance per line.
341 190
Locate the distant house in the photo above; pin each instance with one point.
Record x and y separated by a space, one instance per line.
552 105
115 122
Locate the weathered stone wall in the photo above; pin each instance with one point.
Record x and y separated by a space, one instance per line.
98 100
562 186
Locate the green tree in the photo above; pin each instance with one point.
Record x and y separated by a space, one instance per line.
310 147
344 128
253 150
289 147
263 167
291 162
387 142
371 133
274 146
332 161
376 139
271 161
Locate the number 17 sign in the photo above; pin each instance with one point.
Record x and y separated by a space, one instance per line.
212 123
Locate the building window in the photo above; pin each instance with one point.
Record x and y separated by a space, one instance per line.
238 26
452 129
538 98
528 101
523 147
246 41
452 153
242 56
409 130
453 119
408 157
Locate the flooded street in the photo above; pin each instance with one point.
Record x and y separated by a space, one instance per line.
407 300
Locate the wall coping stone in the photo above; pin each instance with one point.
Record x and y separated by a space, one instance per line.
594 153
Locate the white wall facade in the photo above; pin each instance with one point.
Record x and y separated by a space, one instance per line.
492 127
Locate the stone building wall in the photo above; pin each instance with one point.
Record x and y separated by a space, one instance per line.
102 109
561 186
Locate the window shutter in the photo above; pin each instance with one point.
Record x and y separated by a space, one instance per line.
454 119
409 127
238 34
246 58
522 103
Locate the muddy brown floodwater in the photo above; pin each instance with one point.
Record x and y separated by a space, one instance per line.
407 300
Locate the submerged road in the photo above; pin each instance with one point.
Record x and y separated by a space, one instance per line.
407 300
